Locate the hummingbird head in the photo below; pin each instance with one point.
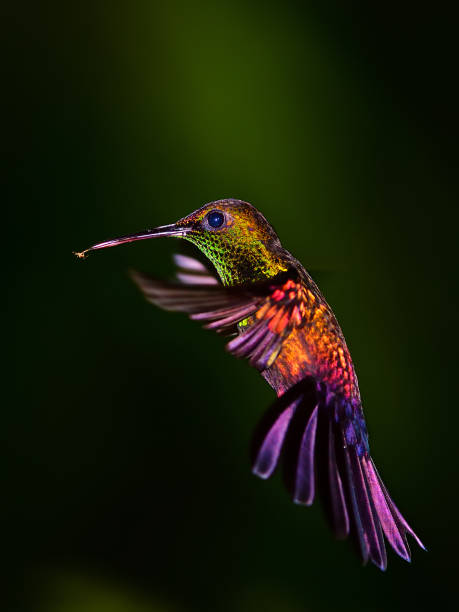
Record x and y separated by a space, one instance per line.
237 239
232 234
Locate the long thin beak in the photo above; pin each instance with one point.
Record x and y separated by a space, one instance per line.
157 232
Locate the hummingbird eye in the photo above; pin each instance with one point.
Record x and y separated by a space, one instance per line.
215 219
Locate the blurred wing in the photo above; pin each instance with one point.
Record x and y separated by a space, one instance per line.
191 271
263 313
281 310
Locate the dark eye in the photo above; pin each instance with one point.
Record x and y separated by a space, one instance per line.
215 218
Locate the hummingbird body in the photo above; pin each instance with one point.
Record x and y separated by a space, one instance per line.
316 347
279 320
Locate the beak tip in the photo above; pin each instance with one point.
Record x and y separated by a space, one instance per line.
80 255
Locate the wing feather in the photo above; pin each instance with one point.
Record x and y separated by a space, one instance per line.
262 314
193 272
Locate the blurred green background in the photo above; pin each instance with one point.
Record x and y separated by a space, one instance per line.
125 430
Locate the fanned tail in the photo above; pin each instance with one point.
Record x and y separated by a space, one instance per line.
322 440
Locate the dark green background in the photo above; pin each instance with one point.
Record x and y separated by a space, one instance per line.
125 473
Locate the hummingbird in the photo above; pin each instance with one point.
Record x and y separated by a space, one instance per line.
258 294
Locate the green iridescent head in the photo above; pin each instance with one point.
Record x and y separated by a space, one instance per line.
234 236
237 239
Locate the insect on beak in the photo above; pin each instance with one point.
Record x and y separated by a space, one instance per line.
157 232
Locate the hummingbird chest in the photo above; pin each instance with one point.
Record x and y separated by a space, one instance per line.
319 350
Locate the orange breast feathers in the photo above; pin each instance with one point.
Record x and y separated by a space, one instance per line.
317 348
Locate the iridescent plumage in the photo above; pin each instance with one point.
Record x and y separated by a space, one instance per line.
278 319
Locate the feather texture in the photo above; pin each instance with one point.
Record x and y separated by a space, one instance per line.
354 496
272 307
305 479
192 272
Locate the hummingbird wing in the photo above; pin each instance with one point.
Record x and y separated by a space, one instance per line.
263 313
191 271
281 309
219 308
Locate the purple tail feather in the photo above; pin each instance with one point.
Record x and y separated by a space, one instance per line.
323 443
